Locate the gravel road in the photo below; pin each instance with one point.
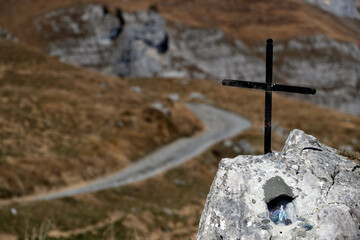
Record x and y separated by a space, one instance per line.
220 125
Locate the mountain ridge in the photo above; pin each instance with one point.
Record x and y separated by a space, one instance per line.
243 19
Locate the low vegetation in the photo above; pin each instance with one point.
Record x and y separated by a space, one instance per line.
60 126
355 156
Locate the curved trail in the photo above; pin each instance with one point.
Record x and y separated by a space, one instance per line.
220 124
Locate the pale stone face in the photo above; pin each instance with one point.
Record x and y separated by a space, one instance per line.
146 46
321 187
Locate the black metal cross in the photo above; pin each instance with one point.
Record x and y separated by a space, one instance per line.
268 86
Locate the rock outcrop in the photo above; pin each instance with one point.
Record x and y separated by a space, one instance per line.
343 8
126 44
143 44
140 49
305 191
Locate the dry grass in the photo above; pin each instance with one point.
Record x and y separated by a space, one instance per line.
60 124
47 104
165 207
355 156
39 234
331 127
168 206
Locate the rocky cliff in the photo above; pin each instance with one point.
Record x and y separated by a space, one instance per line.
143 44
112 43
305 191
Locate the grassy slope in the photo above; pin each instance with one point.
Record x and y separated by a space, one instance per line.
330 126
169 205
245 19
59 124
42 136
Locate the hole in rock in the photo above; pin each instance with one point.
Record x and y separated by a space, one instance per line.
282 210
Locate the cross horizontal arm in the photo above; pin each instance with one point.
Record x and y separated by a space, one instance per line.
244 84
268 87
293 89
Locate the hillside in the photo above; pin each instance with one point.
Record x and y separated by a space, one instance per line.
62 125
169 205
200 39
244 19
50 146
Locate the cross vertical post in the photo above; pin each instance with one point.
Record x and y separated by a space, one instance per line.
268 96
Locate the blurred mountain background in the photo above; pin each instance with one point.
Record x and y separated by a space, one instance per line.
89 87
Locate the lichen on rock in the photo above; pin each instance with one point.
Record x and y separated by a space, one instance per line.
305 191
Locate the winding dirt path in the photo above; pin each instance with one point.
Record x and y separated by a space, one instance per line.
220 125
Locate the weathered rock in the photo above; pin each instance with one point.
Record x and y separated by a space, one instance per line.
161 108
228 143
141 47
196 96
323 190
343 8
245 147
216 56
145 46
126 44
174 97
347 148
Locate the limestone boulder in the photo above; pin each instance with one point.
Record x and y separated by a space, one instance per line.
305 191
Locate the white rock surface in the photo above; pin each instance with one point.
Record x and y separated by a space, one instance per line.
148 47
342 8
324 186
174 97
90 37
